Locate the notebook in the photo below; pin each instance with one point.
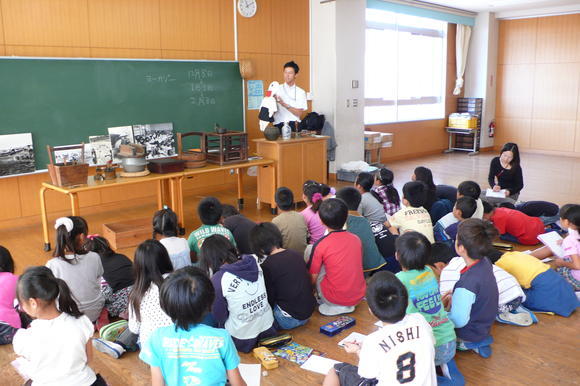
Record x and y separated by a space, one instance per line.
553 240
490 193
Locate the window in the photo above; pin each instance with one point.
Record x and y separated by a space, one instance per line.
405 67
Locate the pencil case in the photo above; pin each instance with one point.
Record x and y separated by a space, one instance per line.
275 341
338 325
268 360
505 246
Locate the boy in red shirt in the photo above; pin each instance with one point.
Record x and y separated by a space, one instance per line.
513 225
336 265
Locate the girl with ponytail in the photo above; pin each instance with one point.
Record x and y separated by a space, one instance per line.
81 270
312 196
117 274
56 345
166 230
387 192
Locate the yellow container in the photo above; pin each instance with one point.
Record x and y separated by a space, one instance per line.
463 122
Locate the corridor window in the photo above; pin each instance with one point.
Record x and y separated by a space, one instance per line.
405 67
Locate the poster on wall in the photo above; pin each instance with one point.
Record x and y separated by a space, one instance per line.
122 135
16 154
101 151
255 94
156 138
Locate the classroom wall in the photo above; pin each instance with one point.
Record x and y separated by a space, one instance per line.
417 138
156 29
538 101
480 73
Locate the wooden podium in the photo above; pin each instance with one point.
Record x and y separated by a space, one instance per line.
297 160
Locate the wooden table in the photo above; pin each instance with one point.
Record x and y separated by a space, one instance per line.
266 173
174 181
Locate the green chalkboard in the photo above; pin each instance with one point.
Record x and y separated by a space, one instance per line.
64 101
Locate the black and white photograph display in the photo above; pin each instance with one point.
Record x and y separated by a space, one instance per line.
122 135
16 154
156 138
101 152
69 156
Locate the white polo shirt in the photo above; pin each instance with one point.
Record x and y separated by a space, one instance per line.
293 96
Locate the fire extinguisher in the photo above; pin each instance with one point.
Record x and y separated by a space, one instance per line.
491 129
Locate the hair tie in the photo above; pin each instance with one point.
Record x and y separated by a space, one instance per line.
316 197
92 237
333 191
67 222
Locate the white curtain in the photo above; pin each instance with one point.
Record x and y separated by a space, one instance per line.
461 48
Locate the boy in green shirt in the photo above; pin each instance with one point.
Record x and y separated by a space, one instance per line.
360 226
413 253
210 212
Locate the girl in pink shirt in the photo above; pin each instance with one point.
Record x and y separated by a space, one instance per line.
569 267
312 196
8 282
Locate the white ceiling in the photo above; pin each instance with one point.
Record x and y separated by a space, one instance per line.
513 8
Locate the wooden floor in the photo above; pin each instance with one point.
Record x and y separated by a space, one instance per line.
544 354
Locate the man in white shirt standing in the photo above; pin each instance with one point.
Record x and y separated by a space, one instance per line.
291 99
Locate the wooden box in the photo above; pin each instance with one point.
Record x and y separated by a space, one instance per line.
128 233
230 147
68 174
166 165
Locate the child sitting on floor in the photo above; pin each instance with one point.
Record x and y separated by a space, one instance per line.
166 230
118 275
241 302
371 205
286 276
472 189
513 225
413 217
55 345
413 252
81 271
336 262
388 193
152 265
464 208
360 226
510 293
545 290
186 296
312 196
474 301
9 317
569 267
210 214
240 226
290 223
400 352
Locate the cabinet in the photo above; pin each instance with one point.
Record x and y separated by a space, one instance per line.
296 160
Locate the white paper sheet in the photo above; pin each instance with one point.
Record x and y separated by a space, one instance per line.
353 337
490 193
251 373
319 364
553 241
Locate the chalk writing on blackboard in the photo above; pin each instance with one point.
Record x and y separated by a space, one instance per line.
201 100
201 86
164 78
202 92
199 74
